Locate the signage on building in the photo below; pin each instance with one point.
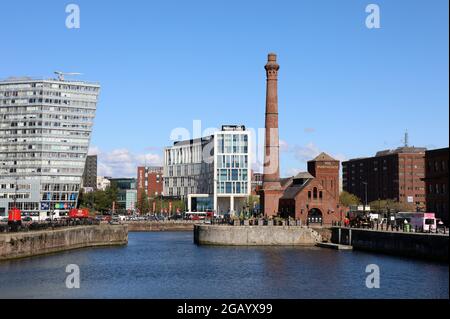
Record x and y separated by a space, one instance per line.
141 178
46 206
360 208
62 206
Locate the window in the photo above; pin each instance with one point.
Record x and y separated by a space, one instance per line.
223 175
315 192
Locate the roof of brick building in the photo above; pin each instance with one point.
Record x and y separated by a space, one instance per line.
323 157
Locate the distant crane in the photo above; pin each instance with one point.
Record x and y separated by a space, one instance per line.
62 74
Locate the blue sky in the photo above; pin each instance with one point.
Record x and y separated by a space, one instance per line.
343 88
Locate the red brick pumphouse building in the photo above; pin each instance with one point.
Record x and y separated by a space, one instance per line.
313 196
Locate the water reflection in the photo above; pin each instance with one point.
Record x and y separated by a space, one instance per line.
169 265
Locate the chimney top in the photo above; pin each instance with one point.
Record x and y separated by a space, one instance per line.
272 57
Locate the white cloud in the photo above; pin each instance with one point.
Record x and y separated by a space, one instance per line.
104 169
257 167
123 163
152 159
121 155
284 146
293 171
340 157
93 150
307 152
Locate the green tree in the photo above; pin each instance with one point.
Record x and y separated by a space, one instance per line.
250 202
99 200
347 199
143 203
111 193
390 205
86 200
404 207
102 201
81 199
164 203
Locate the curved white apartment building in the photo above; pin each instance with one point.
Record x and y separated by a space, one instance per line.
45 130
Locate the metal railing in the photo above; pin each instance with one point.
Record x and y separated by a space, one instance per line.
404 228
41 226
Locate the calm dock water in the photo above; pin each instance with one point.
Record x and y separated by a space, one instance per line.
169 265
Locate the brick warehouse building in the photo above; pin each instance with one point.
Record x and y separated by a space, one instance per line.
392 174
313 196
436 183
150 180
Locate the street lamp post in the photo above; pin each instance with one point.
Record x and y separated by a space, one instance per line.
16 188
365 196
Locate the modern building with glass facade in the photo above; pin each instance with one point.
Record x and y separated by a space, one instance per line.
126 194
211 173
45 130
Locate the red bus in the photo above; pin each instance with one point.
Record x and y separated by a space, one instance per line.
15 219
79 213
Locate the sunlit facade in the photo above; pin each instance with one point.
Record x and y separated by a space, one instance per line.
45 130
212 173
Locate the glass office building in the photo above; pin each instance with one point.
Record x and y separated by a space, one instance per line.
126 194
45 130
212 173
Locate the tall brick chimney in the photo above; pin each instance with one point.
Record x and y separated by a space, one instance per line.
272 147
271 191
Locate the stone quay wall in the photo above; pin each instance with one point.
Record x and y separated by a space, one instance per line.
156 226
34 243
416 245
255 235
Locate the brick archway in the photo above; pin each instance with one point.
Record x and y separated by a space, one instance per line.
315 216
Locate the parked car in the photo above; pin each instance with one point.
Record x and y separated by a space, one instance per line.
27 219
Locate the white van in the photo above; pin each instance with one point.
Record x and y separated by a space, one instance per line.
422 221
